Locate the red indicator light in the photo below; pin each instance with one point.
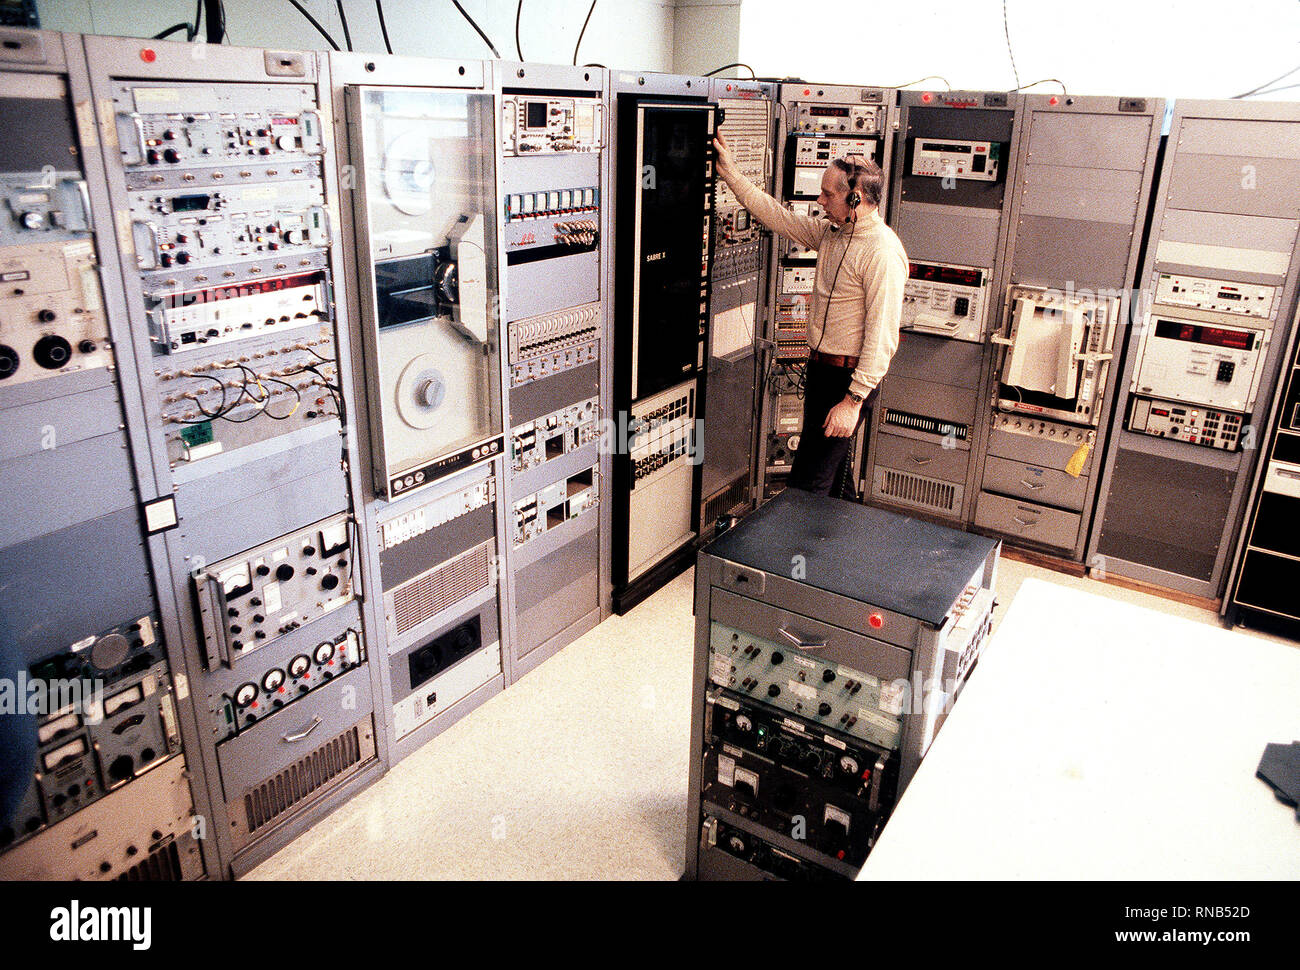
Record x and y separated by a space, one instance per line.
876 621
281 690
728 87
147 55
254 704
927 97
1053 100
866 775
840 854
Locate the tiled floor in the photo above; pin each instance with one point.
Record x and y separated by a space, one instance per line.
579 771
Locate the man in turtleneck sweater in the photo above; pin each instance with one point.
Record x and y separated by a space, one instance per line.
856 305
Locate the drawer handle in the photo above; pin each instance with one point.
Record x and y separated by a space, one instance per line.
801 641
920 461
1031 484
302 735
1025 523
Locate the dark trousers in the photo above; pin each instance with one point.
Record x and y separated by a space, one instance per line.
818 458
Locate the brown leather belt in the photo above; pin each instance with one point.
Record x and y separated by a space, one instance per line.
832 360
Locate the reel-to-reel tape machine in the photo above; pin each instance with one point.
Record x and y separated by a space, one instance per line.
425 221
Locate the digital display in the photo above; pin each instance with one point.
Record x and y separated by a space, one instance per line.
536 116
945 274
1160 412
1213 336
190 203
929 146
822 111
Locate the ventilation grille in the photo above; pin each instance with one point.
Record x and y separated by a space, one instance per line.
428 595
297 783
919 422
163 864
915 490
722 503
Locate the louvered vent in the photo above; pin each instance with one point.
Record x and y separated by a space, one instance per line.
736 494
298 782
911 489
429 594
163 864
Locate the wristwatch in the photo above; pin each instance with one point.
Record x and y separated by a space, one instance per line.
857 398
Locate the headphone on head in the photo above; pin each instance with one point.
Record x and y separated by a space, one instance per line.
854 198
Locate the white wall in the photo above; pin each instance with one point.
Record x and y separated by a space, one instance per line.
1186 49
622 33
707 36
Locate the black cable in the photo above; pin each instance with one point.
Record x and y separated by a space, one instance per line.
296 393
724 67
221 407
1010 53
594 64
495 53
315 23
383 26
582 32
216 31
1256 90
519 12
187 27
343 17
1046 80
198 19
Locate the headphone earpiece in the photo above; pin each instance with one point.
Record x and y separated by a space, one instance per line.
853 200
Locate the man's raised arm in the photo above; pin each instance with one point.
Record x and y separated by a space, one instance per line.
805 230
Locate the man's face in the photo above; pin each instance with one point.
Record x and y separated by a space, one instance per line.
835 187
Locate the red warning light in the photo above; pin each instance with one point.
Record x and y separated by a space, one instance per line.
147 55
1053 100
807 91
728 87
876 621
927 97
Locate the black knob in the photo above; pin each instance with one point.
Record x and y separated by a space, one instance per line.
258 618
311 570
236 629
828 676
232 612
105 867
263 570
52 352
46 316
87 346
309 550
777 656
284 572
131 850
182 258
823 709
343 563
255 601
151 157
773 691
330 581
171 155
165 260
8 361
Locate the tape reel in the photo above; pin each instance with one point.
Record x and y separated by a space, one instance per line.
408 173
